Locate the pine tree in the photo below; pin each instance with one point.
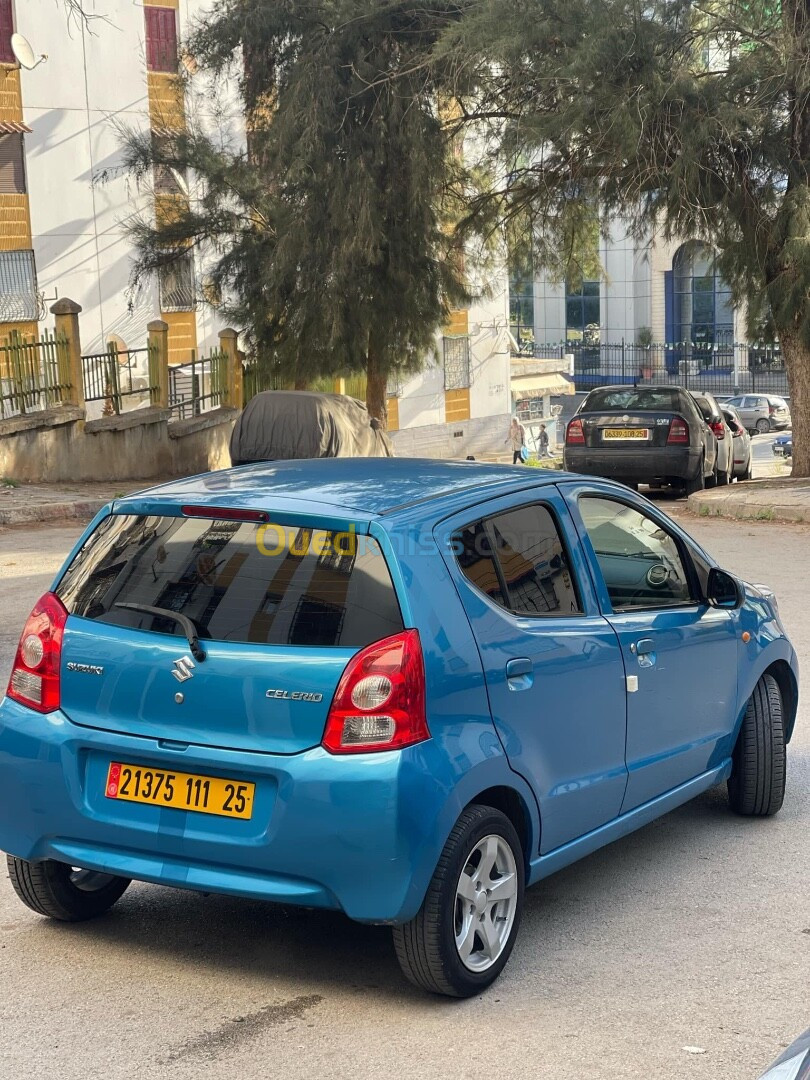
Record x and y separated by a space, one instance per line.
327 235
690 119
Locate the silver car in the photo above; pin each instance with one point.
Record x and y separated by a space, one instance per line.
740 441
761 412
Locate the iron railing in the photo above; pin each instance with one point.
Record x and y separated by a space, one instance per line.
123 379
198 386
34 375
721 369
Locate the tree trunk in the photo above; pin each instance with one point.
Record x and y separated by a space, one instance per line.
376 382
797 361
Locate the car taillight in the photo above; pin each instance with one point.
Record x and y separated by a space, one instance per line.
575 433
380 700
719 429
35 675
678 432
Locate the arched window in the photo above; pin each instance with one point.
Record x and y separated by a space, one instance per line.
703 315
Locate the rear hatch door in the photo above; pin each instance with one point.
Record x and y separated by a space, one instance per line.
279 610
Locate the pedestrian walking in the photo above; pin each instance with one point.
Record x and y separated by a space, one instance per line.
542 441
517 439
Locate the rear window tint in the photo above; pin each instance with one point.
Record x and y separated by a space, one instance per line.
239 582
664 398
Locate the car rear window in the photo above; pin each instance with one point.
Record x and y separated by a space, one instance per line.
236 581
654 398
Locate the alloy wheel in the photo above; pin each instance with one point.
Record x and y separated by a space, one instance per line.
486 903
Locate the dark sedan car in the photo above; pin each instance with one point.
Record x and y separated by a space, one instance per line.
642 435
783 445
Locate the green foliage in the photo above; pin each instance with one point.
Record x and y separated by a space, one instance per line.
676 117
328 237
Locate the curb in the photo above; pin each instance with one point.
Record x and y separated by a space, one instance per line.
76 510
747 507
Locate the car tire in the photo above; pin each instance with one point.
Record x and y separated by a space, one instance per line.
428 946
711 480
756 787
723 478
763 426
64 892
749 471
697 482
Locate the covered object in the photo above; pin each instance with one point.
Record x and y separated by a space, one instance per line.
284 424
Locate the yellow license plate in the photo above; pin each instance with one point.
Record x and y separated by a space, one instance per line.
626 433
183 791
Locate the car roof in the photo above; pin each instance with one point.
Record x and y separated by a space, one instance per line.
373 487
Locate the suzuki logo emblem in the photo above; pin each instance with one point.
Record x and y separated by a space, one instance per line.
183 669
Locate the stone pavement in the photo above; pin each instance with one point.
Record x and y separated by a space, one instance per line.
23 504
772 499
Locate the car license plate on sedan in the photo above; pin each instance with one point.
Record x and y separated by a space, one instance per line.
183 791
626 433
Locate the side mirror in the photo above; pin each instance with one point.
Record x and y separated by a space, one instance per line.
723 590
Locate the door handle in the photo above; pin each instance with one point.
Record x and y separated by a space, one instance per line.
645 646
519 673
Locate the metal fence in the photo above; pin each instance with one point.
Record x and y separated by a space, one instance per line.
34 375
723 369
123 379
198 386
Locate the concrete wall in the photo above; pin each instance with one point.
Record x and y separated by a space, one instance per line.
60 447
479 436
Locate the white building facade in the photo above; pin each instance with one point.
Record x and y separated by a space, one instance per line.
65 203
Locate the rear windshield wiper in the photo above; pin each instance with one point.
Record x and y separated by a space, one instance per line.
188 627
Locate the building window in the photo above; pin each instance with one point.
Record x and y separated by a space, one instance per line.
169 179
176 281
6 30
12 165
703 312
456 354
161 39
582 314
521 306
19 298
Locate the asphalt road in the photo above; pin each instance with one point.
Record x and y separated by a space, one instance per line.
681 951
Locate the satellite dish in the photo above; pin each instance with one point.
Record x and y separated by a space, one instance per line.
24 54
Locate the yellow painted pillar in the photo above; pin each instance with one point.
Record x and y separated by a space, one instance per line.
66 325
158 331
235 393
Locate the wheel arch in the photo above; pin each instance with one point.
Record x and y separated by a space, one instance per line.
510 802
789 689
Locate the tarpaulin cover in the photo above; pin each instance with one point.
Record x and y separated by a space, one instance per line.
284 424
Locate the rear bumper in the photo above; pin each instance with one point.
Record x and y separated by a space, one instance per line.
358 833
634 464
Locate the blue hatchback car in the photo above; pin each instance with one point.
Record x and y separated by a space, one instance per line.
401 689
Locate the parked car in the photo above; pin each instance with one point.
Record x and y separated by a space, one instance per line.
642 435
782 445
762 412
740 444
793 1063
713 415
319 683
284 424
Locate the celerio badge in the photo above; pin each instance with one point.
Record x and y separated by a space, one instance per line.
294 695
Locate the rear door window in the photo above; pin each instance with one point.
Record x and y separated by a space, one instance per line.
520 562
236 581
